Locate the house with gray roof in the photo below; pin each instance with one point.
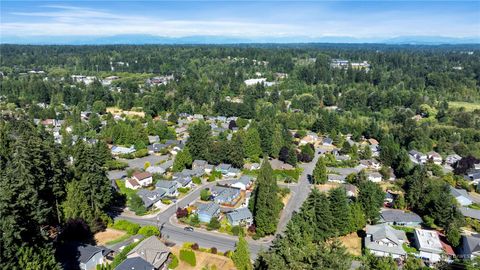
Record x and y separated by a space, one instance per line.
153 251
336 178
243 183
400 218
429 245
151 197
240 216
470 212
155 170
384 241
156 148
90 256
184 181
461 196
225 195
470 248
136 263
153 139
170 187
207 211
120 150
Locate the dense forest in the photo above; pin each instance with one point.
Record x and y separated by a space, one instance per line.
423 98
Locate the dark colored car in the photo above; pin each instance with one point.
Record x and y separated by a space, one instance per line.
188 229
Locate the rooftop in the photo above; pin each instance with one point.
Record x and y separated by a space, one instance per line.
208 208
428 241
240 214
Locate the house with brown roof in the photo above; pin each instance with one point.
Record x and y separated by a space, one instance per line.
143 178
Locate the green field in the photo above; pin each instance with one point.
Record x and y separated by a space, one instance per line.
469 106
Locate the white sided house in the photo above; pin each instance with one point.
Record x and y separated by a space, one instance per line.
429 245
143 178
385 241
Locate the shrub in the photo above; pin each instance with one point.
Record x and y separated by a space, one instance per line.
116 164
228 254
237 230
196 180
166 201
188 256
125 225
214 224
252 228
135 203
141 153
174 262
183 190
149 230
182 212
205 194
194 246
195 221
213 250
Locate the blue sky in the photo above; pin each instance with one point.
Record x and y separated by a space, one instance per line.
358 19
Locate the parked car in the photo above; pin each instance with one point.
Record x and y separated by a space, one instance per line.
188 229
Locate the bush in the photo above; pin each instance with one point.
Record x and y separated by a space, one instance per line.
194 246
149 230
188 256
125 225
116 164
214 224
213 250
174 262
123 254
196 180
166 201
205 194
237 230
141 153
183 190
135 203
228 254
182 212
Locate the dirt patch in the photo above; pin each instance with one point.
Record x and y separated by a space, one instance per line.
327 186
286 198
353 243
108 235
205 259
117 111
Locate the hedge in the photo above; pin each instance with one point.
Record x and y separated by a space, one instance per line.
125 225
174 262
149 230
188 256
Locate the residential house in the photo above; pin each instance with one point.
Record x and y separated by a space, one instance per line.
166 165
136 263
372 141
227 169
384 241
251 166
327 141
243 183
473 176
336 178
120 150
155 170
156 148
375 149
461 196
280 165
435 157
90 256
153 251
470 212
417 157
429 244
153 139
207 211
240 216
374 177
225 195
184 182
372 164
452 159
310 138
151 197
132 184
470 248
351 190
400 218
170 187
143 178
202 165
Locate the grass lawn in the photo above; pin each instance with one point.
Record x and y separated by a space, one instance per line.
110 236
469 107
123 189
353 243
205 259
409 249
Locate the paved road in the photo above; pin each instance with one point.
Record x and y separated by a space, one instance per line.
299 194
176 234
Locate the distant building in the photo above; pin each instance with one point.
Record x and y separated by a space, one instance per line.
375 177
143 178
470 248
153 251
151 197
435 157
417 157
120 150
461 196
243 183
225 195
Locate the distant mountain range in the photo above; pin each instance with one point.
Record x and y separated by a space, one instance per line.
150 39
